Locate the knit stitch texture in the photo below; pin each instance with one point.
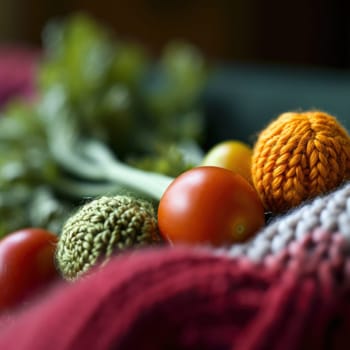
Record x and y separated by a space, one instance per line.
286 289
179 298
330 213
298 157
101 228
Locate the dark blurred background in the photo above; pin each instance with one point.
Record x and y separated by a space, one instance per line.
302 32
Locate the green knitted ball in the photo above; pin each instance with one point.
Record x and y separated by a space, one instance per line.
102 228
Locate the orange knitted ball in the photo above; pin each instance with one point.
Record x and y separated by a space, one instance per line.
299 156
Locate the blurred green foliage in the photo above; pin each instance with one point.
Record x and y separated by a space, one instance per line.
146 110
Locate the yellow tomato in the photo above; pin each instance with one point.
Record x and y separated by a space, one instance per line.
232 155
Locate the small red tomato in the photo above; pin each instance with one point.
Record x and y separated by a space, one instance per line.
209 205
26 264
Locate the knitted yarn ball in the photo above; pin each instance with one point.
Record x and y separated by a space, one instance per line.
101 228
299 156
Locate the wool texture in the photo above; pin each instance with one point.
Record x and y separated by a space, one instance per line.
298 157
180 298
288 288
293 295
101 228
330 213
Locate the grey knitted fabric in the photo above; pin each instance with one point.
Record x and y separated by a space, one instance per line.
330 213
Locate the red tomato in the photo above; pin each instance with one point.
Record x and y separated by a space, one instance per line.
209 205
26 264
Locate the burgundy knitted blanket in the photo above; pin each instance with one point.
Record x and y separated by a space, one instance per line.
289 288
192 299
